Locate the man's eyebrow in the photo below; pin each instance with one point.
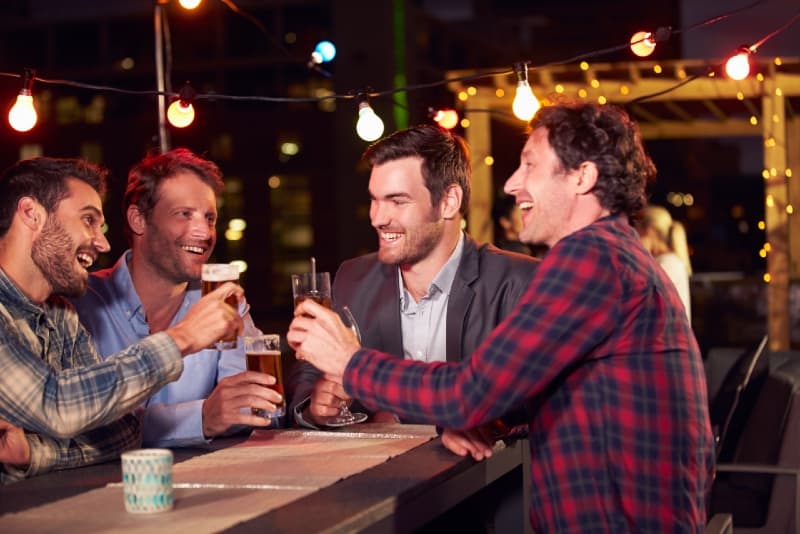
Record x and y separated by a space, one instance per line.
390 196
93 209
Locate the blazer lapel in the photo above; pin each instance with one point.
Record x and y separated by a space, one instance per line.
461 295
388 312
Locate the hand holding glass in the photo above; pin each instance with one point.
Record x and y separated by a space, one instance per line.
214 275
317 286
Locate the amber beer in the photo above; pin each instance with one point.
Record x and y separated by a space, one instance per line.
213 276
264 356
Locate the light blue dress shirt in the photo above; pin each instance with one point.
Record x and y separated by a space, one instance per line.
113 314
424 323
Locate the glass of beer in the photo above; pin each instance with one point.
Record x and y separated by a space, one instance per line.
264 356
214 275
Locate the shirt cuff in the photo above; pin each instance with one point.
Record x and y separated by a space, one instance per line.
298 414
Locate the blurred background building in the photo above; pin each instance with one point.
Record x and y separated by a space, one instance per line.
294 186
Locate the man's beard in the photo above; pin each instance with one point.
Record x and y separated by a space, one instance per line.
54 254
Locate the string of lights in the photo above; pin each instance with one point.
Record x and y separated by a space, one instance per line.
180 113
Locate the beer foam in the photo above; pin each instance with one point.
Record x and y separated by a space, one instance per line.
220 272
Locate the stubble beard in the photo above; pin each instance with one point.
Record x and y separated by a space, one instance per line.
53 252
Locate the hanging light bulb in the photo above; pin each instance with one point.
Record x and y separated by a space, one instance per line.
324 52
446 118
738 66
369 126
189 4
643 44
22 116
525 103
180 113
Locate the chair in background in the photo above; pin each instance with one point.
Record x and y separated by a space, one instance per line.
733 402
760 485
720 524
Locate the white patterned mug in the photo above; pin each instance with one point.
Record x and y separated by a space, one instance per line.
147 480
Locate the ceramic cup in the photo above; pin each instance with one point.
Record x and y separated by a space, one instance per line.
147 480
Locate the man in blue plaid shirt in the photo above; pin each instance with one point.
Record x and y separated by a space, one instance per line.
599 349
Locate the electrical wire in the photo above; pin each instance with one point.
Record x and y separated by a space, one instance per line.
413 87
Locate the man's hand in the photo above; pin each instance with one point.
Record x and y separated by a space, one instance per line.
318 336
14 447
477 442
209 320
326 398
230 402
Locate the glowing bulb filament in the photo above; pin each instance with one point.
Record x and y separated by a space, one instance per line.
738 66
643 44
446 118
22 116
180 114
525 103
369 126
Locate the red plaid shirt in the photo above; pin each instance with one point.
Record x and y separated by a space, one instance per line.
600 353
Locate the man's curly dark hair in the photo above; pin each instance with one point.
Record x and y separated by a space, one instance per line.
606 136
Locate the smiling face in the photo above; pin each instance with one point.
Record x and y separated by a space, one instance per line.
544 192
409 227
178 236
70 240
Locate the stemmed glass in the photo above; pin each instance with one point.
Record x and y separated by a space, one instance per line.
345 416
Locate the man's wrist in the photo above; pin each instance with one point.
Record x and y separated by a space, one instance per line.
302 415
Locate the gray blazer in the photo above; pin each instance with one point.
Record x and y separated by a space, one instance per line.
488 284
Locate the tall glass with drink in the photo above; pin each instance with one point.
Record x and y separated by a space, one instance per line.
264 356
214 275
317 286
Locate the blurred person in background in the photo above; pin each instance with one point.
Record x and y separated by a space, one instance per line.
665 238
507 219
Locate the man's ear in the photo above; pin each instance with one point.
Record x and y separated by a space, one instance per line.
451 201
587 177
136 219
31 213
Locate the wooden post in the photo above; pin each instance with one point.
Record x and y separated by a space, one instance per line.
776 192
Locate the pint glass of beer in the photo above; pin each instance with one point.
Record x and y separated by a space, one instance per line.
314 286
264 356
213 276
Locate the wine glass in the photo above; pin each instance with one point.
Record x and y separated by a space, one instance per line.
345 416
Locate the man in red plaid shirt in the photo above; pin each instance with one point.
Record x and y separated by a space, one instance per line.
599 349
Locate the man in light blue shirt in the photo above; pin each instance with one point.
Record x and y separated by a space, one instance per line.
170 211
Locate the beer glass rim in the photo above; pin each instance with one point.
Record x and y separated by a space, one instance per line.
219 272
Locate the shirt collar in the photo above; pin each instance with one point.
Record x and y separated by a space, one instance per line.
121 276
13 297
443 280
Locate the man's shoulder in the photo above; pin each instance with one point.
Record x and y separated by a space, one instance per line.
360 266
492 256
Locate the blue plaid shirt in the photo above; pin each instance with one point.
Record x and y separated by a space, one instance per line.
74 406
600 352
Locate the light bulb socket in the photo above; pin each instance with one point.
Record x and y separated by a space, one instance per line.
662 34
28 77
521 71
187 94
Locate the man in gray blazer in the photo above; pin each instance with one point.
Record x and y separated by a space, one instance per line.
430 292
